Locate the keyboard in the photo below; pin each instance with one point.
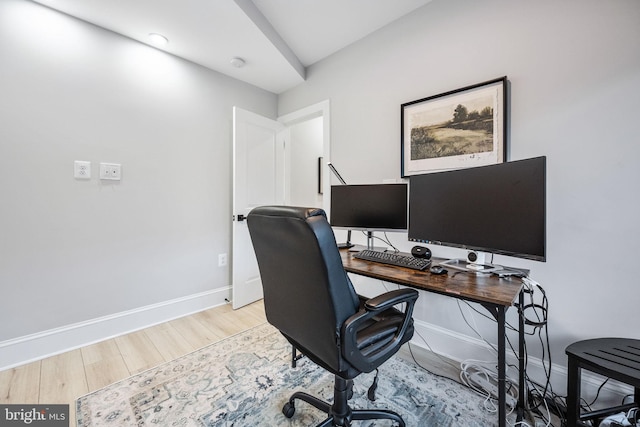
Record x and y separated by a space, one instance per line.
391 258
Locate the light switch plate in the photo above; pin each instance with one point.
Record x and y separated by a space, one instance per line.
82 169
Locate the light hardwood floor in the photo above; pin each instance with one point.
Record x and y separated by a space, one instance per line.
67 376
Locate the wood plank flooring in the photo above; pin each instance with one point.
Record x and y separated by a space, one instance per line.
67 376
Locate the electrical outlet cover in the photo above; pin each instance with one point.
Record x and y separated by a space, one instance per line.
111 171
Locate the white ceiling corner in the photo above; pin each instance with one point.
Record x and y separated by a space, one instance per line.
277 39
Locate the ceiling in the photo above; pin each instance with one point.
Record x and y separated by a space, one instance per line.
277 39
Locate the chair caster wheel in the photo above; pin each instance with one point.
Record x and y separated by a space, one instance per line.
288 409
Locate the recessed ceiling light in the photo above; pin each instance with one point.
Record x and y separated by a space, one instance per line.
237 62
158 39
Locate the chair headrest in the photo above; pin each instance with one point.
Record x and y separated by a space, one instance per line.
288 212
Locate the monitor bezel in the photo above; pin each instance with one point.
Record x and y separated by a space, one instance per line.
356 227
487 249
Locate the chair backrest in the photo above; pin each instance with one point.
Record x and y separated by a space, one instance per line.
307 294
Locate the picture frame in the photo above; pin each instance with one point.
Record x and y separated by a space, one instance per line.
461 128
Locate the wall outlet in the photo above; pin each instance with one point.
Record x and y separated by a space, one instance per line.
112 171
82 169
222 260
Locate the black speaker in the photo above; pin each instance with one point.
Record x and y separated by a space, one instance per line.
421 252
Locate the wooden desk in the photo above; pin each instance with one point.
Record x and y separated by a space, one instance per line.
495 294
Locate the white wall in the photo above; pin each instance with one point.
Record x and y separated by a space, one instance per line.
574 73
71 250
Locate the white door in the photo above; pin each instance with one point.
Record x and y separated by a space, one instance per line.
258 179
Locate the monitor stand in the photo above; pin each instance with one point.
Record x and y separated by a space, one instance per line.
464 265
501 270
345 245
348 243
358 248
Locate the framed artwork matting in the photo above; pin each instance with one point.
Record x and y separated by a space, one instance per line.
457 129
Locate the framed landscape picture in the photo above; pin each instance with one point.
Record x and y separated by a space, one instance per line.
462 128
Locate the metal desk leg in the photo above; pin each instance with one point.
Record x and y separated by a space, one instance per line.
499 313
502 370
522 374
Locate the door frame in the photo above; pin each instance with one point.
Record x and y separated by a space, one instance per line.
321 109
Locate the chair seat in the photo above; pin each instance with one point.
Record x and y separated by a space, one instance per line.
377 332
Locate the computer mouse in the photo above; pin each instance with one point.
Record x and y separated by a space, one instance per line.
437 269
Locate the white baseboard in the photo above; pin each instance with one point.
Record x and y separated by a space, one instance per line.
459 347
29 348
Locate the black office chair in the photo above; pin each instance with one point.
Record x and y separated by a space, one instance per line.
310 299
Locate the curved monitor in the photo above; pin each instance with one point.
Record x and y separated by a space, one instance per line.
499 208
374 207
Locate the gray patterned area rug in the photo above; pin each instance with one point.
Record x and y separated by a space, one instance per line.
245 380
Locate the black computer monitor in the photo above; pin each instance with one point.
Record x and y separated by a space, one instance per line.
499 209
373 207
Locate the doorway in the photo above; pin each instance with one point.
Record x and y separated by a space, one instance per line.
303 138
308 151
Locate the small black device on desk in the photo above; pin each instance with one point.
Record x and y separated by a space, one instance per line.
438 269
392 258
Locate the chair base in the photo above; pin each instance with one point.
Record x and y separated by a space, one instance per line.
340 414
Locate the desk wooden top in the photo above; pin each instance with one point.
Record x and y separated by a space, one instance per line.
482 288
